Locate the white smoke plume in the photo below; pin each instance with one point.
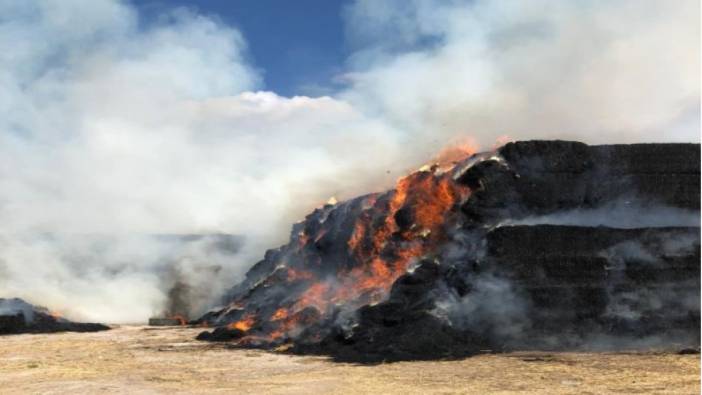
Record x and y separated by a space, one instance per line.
108 127
113 126
595 71
621 213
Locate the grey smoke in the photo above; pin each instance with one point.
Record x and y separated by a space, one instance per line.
621 213
492 306
110 125
676 299
64 270
16 306
499 306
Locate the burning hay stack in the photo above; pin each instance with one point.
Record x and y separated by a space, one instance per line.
18 316
541 244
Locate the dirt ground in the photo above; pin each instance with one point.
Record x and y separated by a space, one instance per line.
142 360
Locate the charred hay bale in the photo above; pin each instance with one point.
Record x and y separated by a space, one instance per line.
23 317
12 323
412 290
553 156
564 240
221 334
548 255
649 158
422 337
401 328
539 177
494 285
580 281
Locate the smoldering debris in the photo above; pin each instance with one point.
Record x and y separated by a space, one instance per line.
188 273
167 321
17 316
432 269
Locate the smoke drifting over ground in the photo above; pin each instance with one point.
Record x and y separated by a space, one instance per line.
111 126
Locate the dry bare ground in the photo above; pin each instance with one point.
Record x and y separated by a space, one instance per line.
141 360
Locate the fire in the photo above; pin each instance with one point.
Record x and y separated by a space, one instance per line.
502 140
296 275
288 323
387 234
285 327
279 314
454 153
181 320
359 232
314 296
426 197
243 324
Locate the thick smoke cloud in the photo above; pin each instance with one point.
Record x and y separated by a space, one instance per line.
116 127
112 132
595 71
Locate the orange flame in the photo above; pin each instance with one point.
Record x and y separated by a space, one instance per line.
244 324
314 296
285 327
294 275
390 233
455 153
279 314
502 140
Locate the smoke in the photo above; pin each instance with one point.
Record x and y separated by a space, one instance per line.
677 300
119 278
621 213
113 128
18 306
598 72
674 301
493 306
484 297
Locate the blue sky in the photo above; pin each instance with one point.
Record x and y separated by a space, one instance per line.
299 45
